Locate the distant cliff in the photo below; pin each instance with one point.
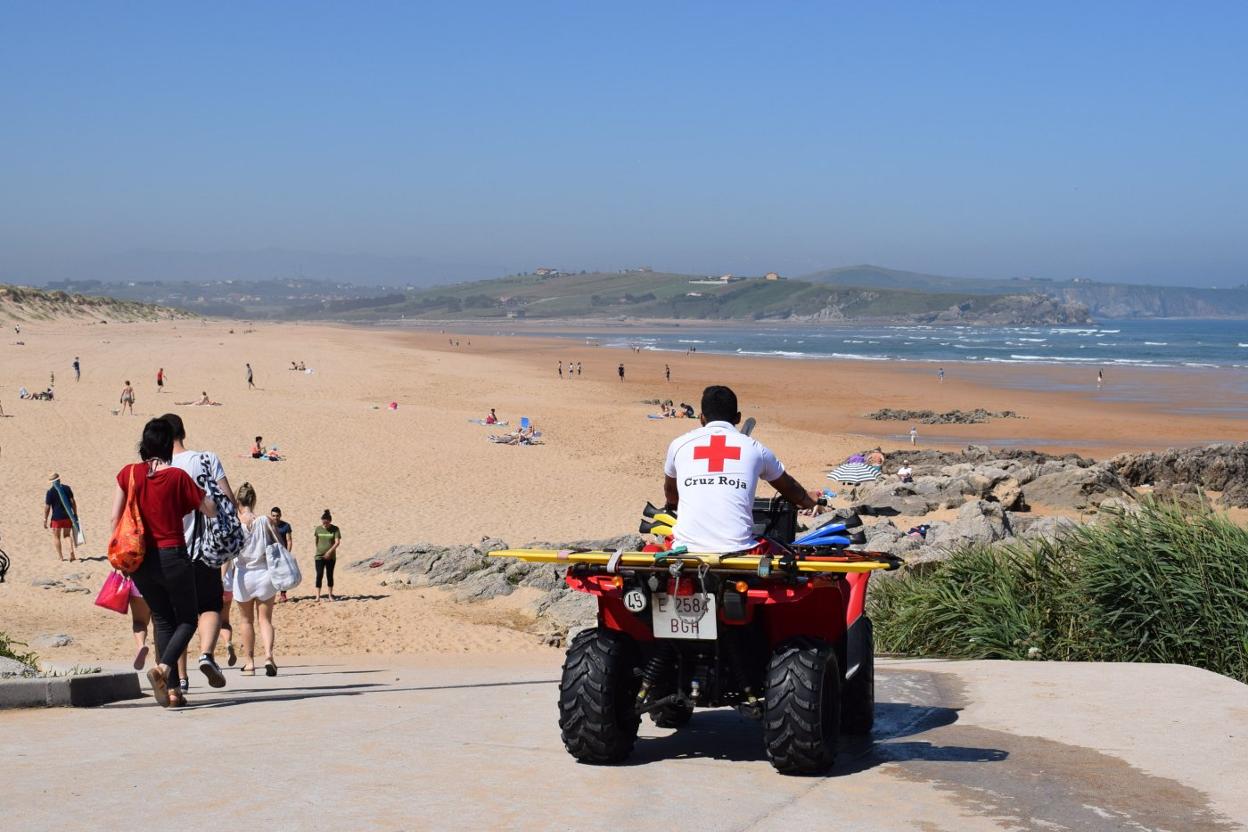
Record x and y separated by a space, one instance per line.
1119 300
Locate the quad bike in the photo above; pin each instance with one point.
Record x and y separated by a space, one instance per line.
779 633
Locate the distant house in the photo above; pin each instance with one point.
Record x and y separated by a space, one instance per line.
772 276
545 271
693 294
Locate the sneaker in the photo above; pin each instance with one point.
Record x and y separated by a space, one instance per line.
184 685
208 666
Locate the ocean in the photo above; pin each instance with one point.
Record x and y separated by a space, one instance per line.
1139 343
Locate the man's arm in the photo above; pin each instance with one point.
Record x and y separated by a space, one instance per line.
46 510
224 485
671 493
792 491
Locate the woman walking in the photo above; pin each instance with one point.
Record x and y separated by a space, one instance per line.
165 578
127 398
328 536
249 581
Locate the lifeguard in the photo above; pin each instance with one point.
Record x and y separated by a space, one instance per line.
712 473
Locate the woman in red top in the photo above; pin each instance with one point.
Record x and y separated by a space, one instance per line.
166 578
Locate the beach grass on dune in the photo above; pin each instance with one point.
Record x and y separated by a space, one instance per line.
9 649
1162 584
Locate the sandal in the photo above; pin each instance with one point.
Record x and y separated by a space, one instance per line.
160 686
176 698
270 668
140 658
232 657
247 671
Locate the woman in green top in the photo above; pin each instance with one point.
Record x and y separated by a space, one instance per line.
328 536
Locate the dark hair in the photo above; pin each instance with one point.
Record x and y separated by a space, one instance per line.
127 382
719 404
275 510
258 438
157 441
325 515
175 422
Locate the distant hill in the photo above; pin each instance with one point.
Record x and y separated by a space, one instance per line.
22 303
644 294
1104 300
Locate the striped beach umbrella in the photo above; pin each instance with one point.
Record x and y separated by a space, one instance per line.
852 473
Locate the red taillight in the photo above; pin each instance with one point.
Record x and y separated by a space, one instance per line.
681 586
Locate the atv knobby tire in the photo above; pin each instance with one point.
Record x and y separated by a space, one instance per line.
672 716
858 694
803 716
597 717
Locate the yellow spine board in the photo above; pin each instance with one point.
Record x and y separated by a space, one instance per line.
635 559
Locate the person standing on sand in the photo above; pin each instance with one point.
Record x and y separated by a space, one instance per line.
251 379
621 371
914 436
160 380
1100 379
284 536
561 369
249 580
209 591
578 368
940 375
59 508
127 398
328 536
667 372
164 495
77 369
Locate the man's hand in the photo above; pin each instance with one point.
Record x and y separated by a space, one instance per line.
818 497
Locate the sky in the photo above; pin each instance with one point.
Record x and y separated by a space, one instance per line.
1103 140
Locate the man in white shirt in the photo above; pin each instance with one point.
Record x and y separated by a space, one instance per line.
209 590
711 474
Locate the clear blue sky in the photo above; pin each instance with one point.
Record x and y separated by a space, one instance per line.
989 139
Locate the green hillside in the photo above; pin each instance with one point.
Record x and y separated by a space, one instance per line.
640 294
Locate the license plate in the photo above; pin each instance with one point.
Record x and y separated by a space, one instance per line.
685 616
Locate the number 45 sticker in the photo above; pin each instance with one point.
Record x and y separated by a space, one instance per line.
635 600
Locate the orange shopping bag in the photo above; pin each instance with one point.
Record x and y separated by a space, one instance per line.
126 547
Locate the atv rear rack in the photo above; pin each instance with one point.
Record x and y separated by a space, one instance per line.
836 561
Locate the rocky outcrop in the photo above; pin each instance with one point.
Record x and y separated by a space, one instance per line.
1029 309
1221 468
475 577
951 417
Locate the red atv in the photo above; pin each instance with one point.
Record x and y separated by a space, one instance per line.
780 635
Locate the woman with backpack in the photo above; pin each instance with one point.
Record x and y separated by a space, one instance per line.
165 577
249 581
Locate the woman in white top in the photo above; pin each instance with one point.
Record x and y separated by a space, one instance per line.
249 581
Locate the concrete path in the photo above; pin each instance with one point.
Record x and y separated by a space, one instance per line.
412 743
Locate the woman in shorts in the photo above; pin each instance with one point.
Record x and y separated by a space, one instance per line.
249 582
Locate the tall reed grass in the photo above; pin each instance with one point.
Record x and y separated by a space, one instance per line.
1162 584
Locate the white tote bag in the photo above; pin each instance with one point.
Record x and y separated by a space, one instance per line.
284 571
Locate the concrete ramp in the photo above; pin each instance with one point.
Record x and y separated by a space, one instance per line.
472 743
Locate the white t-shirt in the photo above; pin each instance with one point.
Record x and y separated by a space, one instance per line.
189 461
717 469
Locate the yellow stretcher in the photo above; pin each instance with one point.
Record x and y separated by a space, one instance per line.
633 560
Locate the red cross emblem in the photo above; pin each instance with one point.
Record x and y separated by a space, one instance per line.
715 453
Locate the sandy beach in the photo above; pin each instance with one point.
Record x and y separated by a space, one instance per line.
423 472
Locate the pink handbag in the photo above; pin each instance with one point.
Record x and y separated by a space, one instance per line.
115 594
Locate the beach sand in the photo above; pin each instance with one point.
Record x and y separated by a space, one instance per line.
424 473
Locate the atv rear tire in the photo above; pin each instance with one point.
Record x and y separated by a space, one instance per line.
672 716
597 697
858 695
803 716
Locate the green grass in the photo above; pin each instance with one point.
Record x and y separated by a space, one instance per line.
1165 584
8 650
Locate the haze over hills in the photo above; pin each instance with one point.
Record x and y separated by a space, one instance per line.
1104 300
249 265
